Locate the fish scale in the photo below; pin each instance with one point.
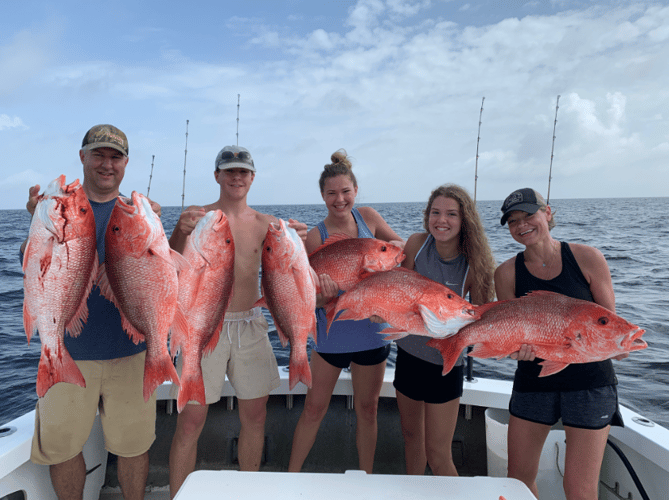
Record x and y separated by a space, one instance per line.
205 291
59 265
561 330
289 292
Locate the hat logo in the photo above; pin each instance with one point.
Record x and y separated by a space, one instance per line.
514 198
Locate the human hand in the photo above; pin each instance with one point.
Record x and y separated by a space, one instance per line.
33 194
328 287
376 319
525 353
299 227
189 219
399 243
621 356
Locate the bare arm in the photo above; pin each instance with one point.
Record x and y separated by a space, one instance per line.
379 227
185 225
505 288
33 193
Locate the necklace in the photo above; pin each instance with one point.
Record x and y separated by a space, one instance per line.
548 266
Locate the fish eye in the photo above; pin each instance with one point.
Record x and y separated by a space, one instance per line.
228 240
603 320
384 248
449 295
83 210
116 229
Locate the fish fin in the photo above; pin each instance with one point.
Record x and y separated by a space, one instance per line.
105 288
331 239
298 367
179 331
393 334
551 367
213 341
57 367
191 388
180 262
450 351
80 317
347 314
283 338
158 369
29 324
261 302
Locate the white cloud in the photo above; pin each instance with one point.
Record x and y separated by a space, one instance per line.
7 122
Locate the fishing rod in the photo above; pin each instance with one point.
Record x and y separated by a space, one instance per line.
478 139
550 169
150 176
183 192
237 119
469 367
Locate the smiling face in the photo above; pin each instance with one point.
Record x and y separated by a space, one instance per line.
104 169
529 228
235 182
339 194
445 219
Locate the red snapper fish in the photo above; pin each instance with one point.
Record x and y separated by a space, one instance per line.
205 290
408 301
139 276
289 286
347 260
59 265
561 330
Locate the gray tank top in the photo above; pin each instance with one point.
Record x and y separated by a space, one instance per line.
453 274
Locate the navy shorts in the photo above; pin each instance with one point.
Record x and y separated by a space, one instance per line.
363 358
587 409
422 381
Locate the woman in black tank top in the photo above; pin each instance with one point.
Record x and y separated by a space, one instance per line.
578 271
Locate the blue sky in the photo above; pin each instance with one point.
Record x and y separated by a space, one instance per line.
396 83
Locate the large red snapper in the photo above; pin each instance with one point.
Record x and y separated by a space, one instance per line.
205 290
408 301
59 265
139 276
347 260
289 287
561 330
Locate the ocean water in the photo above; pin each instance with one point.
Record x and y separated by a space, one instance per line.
631 234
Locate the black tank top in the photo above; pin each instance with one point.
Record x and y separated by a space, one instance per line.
577 376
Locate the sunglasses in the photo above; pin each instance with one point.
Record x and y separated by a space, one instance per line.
226 156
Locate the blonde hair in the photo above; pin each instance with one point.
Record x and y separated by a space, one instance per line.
341 165
473 242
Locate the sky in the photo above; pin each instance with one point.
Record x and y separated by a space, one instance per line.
401 85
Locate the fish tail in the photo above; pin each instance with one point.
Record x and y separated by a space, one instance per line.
299 368
57 367
191 389
157 371
450 351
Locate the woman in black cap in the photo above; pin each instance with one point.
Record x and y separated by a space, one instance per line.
583 395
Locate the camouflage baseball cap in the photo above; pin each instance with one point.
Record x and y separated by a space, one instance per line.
105 136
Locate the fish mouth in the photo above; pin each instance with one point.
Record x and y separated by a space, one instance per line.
125 204
400 257
636 341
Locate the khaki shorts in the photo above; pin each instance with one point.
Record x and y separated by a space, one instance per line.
64 416
245 354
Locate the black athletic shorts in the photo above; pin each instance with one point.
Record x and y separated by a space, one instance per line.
423 381
586 409
363 358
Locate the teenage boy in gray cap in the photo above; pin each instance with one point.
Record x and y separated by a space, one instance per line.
245 352
111 363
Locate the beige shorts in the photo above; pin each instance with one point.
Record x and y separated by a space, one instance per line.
64 416
245 354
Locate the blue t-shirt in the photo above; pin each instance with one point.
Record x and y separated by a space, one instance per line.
348 335
102 336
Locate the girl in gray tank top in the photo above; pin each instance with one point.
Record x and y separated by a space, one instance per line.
453 251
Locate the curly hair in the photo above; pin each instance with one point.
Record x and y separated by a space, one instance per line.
473 241
341 165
